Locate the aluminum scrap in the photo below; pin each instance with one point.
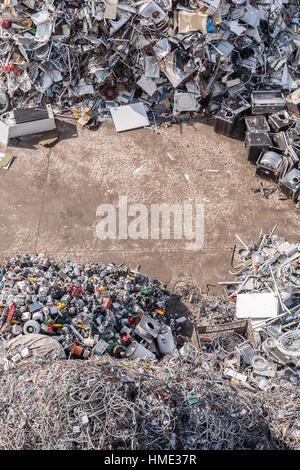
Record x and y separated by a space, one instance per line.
251 334
266 294
180 59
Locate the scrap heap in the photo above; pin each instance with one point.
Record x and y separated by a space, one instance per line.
87 308
172 58
262 310
142 382
181 403
146 62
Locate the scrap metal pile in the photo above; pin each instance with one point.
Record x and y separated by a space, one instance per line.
265 303
145 62
272 142
267 296
233 385
160 59
88 309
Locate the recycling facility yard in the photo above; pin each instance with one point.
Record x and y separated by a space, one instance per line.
149 342
49 197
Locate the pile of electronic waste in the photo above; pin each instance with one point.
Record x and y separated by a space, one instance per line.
235 382
145 62
272 138
88 309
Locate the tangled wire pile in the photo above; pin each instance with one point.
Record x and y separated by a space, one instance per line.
178 404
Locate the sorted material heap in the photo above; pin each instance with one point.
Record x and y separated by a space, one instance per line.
265 302
233 385
177 404
272 143
89 309
171 58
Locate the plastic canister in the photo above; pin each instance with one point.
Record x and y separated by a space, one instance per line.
165 340
136 350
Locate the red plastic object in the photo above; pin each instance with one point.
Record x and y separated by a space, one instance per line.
13 68
9 67
126 337
109 92
77 292
106 302
6 24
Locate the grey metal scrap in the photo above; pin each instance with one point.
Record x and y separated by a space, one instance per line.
47 48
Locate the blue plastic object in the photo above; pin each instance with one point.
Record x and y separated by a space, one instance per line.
210 26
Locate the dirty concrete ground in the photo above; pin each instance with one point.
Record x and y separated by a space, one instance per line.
49 198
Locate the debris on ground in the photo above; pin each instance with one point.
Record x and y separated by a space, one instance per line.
272 144
151 62
180 403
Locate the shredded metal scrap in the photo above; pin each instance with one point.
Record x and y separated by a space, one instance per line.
175 57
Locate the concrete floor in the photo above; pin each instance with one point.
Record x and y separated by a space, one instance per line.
49 197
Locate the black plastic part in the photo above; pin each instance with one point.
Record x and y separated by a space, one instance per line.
255 143
267 101
290 184
223 122
30 114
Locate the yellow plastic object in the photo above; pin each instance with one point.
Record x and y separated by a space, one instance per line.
160 312
60 305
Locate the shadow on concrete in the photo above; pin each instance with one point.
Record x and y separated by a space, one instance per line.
64 131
